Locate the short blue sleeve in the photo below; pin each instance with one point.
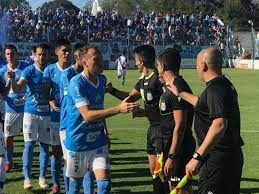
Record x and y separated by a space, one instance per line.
78 93
25 74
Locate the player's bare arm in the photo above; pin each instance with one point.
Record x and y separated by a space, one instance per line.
90 115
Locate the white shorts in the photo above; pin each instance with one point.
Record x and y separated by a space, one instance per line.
13 124
121 72
78 163
62 135
2 144
36 127
54 133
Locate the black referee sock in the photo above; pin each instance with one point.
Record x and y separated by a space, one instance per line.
166 187
158 186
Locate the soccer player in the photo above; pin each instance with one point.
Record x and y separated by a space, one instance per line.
3 92
149 88
51 80
14 103
176 121
66 76
31 59
219 158
121 68
86 142
36 120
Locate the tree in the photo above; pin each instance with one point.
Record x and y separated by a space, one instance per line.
234 13
21 4
65 4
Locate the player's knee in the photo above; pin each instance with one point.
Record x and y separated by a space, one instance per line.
104 186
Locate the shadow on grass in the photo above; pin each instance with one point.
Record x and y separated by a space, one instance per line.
252 189
130 173
125 151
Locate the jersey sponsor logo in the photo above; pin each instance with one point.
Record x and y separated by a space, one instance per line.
92 136
42 108
18 102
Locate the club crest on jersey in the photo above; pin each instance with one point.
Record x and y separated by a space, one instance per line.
98 99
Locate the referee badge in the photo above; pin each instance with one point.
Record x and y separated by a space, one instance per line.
149 96
163 106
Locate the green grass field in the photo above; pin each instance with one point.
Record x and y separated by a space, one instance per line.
130 172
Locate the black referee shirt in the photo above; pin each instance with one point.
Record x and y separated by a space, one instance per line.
219 100
151 90
168 103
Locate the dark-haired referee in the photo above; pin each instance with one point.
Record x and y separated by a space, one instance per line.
219 158
149 88
176 121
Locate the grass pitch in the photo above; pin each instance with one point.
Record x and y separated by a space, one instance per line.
130 172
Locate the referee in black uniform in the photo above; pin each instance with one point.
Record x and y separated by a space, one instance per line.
176 121
219 158
149 88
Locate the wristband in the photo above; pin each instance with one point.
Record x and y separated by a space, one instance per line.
197 156
113 91
173 156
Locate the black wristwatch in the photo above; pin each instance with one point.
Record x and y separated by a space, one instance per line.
197 156
172 156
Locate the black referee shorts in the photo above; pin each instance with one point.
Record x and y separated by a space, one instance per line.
221 173
154 139
185 155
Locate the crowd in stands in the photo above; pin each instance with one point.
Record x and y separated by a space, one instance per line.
150 28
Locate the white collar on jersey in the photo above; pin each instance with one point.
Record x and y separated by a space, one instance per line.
59 67
14 70
38 68
90 82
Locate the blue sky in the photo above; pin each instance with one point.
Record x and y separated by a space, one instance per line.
37 3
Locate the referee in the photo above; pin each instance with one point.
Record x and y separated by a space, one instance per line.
219 158
149 89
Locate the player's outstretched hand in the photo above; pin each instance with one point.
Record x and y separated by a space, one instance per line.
126 107
10 74
173 89
53 105
108 87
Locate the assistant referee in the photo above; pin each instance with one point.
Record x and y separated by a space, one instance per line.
219 158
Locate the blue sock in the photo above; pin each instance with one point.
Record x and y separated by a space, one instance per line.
75 185
66 179
27 158
44 158
88 183
9 155
55 170
103 186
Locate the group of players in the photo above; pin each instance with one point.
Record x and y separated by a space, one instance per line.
63 106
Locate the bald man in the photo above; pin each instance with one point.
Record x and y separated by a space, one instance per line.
218 159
